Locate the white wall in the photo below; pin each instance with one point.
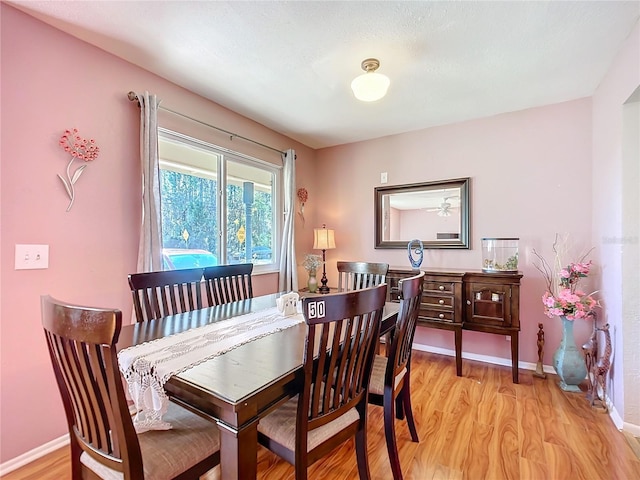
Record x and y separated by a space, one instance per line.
631 258
612 177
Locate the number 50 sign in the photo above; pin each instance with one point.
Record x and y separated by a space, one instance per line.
315 309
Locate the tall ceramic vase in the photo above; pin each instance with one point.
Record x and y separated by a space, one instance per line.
312 283
568 360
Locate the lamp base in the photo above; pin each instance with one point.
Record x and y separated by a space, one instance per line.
323 288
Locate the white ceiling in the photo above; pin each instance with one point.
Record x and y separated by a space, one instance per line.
289 65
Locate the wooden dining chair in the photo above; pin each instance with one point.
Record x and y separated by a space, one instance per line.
390 386
158 294
104 443
357 275
228 283
343 329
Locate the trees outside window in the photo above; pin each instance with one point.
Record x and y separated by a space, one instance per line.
217 206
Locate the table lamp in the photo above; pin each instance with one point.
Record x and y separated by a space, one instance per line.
323 239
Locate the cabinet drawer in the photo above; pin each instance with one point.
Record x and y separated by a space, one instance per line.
431 286
444 301
431 314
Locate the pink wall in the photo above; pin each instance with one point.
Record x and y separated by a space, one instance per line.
530 178
50 82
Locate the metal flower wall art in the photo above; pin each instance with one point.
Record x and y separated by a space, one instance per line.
303 196
80 148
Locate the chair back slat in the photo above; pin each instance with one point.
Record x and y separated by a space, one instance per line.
341 341
359 275
228 283
159 294
81 343
400 349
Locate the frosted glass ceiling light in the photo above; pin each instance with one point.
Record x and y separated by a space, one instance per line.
370 86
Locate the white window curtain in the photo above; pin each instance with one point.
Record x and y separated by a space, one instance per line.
288 270
150 247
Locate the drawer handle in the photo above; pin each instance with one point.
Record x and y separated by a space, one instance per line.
441 302
441 287
441 315
468 302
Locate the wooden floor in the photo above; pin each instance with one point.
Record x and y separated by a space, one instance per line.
478 427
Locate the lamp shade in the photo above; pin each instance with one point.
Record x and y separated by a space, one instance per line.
370 86
323 239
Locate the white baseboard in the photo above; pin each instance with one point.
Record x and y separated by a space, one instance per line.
33 455
481 358
631 428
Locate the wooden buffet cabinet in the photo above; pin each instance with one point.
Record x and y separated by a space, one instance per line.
467 300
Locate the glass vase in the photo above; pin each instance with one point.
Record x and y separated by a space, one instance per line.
312 282
568 360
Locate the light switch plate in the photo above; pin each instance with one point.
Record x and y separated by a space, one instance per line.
30 257
383 177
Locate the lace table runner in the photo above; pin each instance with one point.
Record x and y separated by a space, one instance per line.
147 367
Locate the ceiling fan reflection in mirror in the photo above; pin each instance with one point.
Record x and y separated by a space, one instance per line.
444 209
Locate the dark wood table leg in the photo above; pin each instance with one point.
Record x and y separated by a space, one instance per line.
458 342
238 451
514 356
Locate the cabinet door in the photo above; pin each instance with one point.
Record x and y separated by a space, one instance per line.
488 304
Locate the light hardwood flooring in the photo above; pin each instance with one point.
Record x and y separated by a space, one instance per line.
634 442
479 427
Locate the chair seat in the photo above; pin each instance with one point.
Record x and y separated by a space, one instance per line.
168 453
280 426
376 385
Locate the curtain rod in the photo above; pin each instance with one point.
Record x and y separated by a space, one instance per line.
134 98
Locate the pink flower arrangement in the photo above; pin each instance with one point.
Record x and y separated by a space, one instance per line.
563 298
80 148
569 301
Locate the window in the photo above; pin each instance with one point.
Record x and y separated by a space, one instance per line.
218 207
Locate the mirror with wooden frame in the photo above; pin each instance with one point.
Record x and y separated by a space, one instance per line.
436 213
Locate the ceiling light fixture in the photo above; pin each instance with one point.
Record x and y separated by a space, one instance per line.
370 86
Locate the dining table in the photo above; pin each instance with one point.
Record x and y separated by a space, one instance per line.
241 385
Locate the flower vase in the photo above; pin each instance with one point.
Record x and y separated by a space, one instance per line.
312 283
568 360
